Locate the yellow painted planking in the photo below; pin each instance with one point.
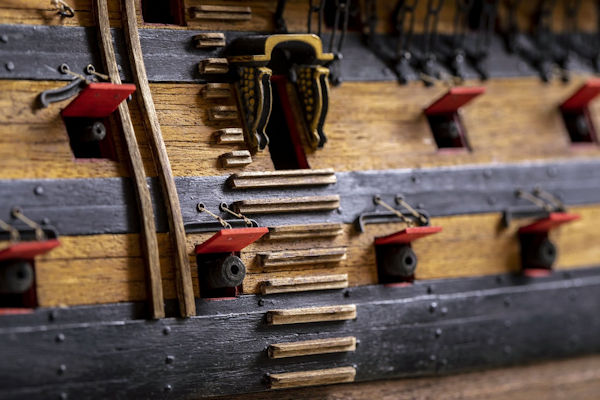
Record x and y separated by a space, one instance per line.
109 268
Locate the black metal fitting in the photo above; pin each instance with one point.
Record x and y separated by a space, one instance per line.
15 277
397 261
94 132
537 251
223 270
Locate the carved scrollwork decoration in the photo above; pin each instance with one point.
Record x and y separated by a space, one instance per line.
256 58
255 96
313 89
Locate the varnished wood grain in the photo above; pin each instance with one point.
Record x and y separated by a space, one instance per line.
261 19
312 378
311 347
134 160
515 120
109 268
289 178
185 294
289 258
304 283
311 315
571 379
287 204
310 231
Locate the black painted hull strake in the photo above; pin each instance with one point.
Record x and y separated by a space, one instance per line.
431 328
106 205
170 56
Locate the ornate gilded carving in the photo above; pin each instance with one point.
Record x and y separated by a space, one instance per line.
254 89
251 55
313 91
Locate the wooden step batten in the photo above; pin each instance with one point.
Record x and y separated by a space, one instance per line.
301 257
304 283
311 314
287 205
291 178
221 13
183 276
312 378
309 231
312 347
229 136
142 193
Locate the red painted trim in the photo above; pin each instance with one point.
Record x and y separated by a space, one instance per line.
536 272
27 250
98 100
545 224
454 99
408 235
231 240
16 311
280 84
583 96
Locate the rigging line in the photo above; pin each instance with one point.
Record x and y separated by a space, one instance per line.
39 232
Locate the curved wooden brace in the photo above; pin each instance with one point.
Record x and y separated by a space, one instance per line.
183 275
143 199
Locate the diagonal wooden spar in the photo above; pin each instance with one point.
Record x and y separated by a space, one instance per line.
185 292
144 202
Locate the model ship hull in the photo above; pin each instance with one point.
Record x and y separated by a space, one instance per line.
241 151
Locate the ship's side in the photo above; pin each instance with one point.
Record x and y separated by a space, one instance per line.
228 202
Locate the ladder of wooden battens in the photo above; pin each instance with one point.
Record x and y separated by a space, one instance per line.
183 276
144 201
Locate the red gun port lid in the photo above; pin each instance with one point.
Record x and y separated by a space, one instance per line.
231 240
27 250
408 235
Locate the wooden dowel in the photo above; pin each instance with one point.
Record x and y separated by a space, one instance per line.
136 166
183 275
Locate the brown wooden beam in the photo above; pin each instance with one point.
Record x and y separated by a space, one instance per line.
144 202
185 292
